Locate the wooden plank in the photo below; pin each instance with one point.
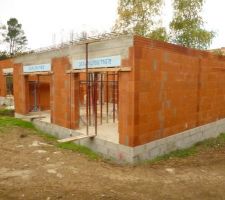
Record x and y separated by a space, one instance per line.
38 73
120 69
37 117
70 139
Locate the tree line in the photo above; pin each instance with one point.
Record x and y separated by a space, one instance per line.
144 17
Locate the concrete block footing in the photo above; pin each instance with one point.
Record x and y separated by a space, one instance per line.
125 154
7 101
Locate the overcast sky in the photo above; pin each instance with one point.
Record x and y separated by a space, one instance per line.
48 21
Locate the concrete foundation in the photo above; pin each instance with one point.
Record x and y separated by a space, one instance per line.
108 149
7 101
41 115
125 154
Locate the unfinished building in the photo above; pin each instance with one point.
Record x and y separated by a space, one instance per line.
134 99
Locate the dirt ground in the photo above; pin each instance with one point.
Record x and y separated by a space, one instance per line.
32 169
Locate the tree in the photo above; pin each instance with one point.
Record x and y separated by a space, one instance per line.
187 26
3 55
140 17
2 28
159 34
14 36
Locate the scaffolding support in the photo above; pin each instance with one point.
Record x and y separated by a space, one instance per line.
87 89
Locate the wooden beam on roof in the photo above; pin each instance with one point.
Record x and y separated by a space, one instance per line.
38 73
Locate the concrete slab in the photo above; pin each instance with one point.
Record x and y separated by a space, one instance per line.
108 132
106 129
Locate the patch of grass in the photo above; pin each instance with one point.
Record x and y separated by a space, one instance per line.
80 149
13 122
45 136
200 146
212 142
6 112
181 153
10 122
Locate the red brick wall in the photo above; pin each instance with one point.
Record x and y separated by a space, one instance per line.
21 90
4 64
43 91
43 96
212 90
64 95
175 89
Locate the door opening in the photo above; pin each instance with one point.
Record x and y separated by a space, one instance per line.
39 93
99 103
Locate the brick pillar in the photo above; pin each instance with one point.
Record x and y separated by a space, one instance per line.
21 90
2 84
127 103
64 95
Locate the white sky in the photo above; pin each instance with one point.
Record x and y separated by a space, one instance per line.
41 19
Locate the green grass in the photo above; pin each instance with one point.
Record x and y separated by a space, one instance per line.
212 143
50 138
79 148
6 112
13 122
181 153
10 122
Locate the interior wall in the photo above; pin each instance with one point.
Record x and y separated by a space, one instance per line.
43 96
43 91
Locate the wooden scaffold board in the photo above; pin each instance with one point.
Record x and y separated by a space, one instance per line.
70 139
